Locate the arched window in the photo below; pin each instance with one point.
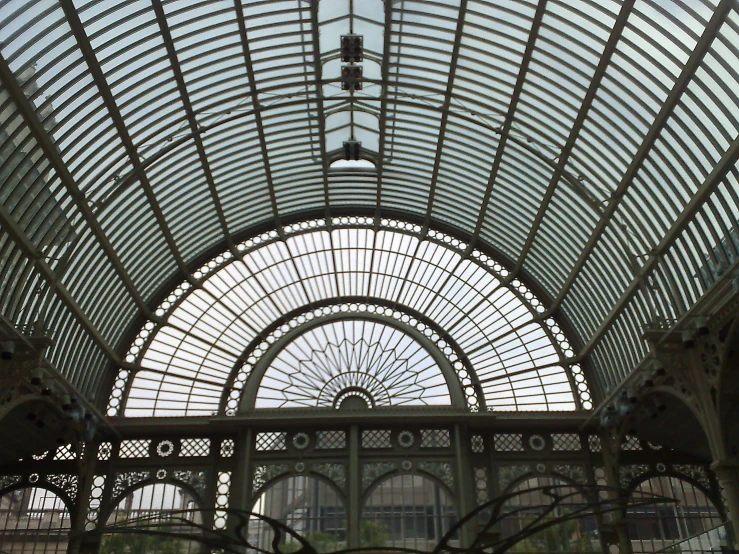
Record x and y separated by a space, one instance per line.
307 505
572 536
407 511
491 329
33 520
652 528
161 506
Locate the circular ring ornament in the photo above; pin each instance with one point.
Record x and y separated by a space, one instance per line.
301 441
661 467
407 465
541 468
537 442
165 448
406 439
300 467
33 478
161 474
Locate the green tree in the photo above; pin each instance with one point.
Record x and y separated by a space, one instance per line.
373 533
562 537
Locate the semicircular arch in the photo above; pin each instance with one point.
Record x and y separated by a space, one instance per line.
520 356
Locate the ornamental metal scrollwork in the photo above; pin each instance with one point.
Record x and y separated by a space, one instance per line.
573 472
509 474
695 472
631 472
65 482
334 472
372 471
195 479
265 473
124 481
9 480
440 470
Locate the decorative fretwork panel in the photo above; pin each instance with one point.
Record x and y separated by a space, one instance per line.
105 451
92 517
481 485
566 442
509 442
265 473
477 444
631 472
223 493
372 471
65 482
271 441
695 472
334 472
9 480
65 452
435 438
594 443
575 473
137 448
330 440
124 481
195 448
631 443
196 479
509 474
376 438
227 448
440 470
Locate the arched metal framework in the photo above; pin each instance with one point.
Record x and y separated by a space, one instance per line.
593 145
379 306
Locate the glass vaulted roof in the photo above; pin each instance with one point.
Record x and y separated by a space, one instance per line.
374 308
588 147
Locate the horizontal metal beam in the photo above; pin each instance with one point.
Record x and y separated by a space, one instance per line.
329 418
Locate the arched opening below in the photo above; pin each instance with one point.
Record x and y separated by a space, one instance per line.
691 521
408 511
161 506
308 506
33 520
579 535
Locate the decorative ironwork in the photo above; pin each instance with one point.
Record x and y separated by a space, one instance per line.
195 447
124 481
629 473
330 440
65 482
509 474
9 480
695 472
335 472
376 438
265 473
435 438
374 470
576 473
440 470
196 479
232 540
272 441
511 442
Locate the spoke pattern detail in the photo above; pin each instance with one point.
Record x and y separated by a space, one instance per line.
507 354
338 361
